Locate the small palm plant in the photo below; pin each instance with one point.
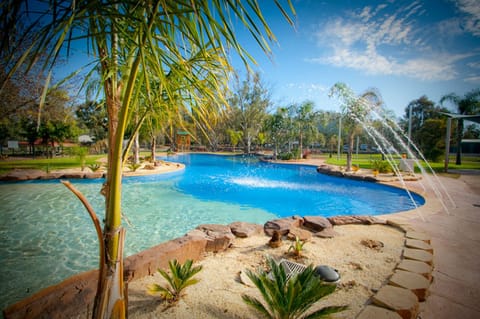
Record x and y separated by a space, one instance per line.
180 279
297 247
290 299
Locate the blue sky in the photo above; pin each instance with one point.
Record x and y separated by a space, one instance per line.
405 49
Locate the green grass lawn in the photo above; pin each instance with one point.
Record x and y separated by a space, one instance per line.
47 163
365 161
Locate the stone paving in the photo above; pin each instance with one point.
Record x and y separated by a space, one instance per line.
455 240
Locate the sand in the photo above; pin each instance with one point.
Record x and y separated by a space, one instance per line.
363 270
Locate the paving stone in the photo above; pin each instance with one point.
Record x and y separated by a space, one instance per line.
374 312
418 254
417 267
419 236
418 244
401 300
418 284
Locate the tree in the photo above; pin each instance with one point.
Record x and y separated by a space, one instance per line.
432 138
134 40
275 127
305 123
422 109
93 116
467 105
356 110
249 102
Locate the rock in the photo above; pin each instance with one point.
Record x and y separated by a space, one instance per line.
418 254
326 233
362 220
276 240
316 223
243 229
374 312
414 282
74 175
282 225
302 234
92 175
219 237
417 267
401 300
373 244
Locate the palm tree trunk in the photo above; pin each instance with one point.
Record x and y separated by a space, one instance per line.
459 142
351 138
153 148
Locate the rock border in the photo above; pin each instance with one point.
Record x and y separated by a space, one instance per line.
76 294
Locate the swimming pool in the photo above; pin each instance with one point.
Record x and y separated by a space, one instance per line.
47 236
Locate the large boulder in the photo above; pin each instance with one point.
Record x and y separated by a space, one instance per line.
301 234
316 223
282 225
219 237
243 229
355 219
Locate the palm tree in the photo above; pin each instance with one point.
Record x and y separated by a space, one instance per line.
468 105
355 111
292 298
132 40
305 122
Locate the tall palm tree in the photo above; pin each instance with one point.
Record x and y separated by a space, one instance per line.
467 105
356 110
128 38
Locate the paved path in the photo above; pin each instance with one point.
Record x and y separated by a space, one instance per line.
455 291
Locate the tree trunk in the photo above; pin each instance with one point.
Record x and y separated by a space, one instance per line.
459 142
301 146
351 138
136 149
153 149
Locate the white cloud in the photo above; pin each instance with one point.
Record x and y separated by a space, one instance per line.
473 79
471 20
381 42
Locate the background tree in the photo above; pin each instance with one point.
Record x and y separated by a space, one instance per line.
305 122
276 130
249 103
92 116
431 136
467 105
422 109
128 37
356 110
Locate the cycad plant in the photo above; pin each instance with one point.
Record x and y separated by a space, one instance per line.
297 246
290 299
180 278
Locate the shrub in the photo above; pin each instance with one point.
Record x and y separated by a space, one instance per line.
285 156
297 247
134 166
94 167
180 278
381 166
290 299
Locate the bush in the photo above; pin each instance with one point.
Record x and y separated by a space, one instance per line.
285 156
180 279
381 166
290 299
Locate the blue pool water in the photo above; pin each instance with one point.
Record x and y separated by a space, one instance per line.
47 236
